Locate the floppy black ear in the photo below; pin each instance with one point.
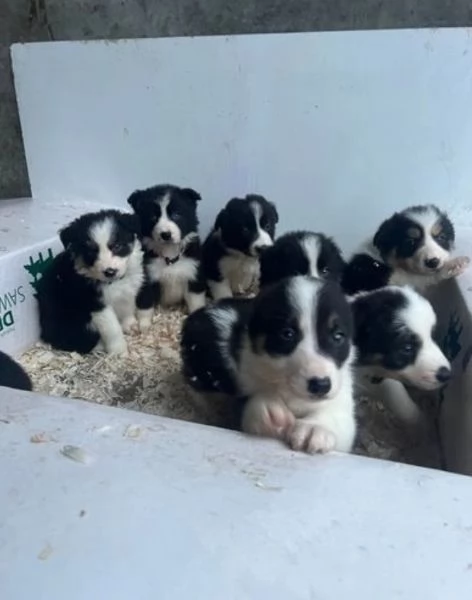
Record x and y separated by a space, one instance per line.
68 234
130 222
385 238
191 195
136 199
274 212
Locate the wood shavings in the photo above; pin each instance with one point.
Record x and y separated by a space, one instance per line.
41 438
134 432
77 454
45 552
149 380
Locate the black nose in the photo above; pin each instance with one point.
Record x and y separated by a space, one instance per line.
432 263
319 386
110 272
166 235
443 375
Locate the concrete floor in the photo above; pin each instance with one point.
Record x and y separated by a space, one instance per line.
33 20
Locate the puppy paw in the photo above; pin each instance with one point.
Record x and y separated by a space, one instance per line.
455 267
144 324
130 325
118 348
311 438
274 420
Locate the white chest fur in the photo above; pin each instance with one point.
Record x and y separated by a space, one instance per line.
122 293
173 278
240 271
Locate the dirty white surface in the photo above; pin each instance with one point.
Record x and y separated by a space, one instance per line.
329 121
164 509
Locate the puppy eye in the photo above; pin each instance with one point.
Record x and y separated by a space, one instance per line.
265 226
324 270
245 230
173 215
287 334
407 348
115 248
338 336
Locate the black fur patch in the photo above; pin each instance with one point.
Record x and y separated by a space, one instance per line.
364 273
206 365
12 375
287 258
380 339
334 323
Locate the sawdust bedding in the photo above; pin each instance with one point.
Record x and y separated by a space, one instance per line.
149 380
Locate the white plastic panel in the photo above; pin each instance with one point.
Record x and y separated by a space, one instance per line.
339 129
186 511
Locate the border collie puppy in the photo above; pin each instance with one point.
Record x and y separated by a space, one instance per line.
288 353
87 297
301 253
12 375
243 229
394 338
410 248
169 227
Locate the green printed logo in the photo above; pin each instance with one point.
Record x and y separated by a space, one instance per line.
37 267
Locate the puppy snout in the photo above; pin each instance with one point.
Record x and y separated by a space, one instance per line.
166 236
432 263
319 386
110 273
443 375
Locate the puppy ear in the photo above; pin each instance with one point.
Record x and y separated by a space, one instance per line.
275 212
191 195
68 235
136 199
130 222
385 237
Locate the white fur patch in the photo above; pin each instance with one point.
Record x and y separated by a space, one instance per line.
311 248
262 238
173 278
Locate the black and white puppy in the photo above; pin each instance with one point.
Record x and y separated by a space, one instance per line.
12 375
412 247
394 337
87 297
243 229
301 253
169 227
288 353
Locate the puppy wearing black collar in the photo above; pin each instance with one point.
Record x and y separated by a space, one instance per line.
172 249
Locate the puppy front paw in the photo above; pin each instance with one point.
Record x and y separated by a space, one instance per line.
145 320
118 348
455 267
311 438
273 420
130 325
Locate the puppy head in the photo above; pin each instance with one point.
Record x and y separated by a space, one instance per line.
167 213
300 333
418 239
394 328
301 253
101 244
247 225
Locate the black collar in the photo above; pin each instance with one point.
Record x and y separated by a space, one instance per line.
171 261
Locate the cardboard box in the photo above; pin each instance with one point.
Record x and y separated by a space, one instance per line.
29 241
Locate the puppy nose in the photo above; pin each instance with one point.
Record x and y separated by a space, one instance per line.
319 386
110 272
166 235
260 249
432 263
443 375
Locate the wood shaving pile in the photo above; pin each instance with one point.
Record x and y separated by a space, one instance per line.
149 380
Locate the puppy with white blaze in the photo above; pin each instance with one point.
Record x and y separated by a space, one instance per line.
394 337
301 253
288 353
413 247
87 297
169 226
242 231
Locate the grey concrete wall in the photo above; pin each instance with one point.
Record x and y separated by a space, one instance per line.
32 20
